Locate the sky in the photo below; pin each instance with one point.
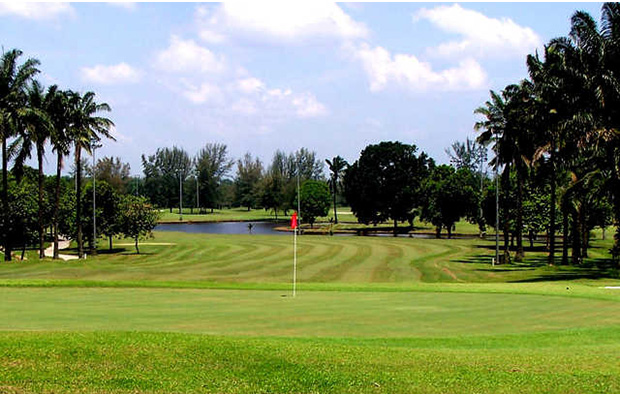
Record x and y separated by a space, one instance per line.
262 76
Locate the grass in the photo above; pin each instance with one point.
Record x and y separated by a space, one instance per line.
213 313
322 259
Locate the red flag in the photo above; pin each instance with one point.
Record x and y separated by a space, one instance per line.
294 220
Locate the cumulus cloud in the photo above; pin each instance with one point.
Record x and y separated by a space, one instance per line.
108 75
481 36
36 11
206 78
188 57
383 69
282 21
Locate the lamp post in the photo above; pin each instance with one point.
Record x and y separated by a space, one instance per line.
496 203
180 195
197 192
94 146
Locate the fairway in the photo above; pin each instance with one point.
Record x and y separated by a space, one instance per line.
214 313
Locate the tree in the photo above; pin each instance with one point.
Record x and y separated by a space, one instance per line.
314 200
162 171
449 195
247 182
86 128
212 164
14 78
58 111
468 154
114 172
384 183
336 167
137 218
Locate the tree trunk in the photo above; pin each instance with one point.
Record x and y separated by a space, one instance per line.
565 229
6 241
137 249
41 177
110 242
57 204
505 187
551 231
335 209
438 232
520 253
78 200
449 227
576 239
585 234
395 228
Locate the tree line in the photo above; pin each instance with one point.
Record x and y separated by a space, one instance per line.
555 137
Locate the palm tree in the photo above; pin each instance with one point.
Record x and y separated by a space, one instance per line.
58 112
85 128
492 127
336 166
36 132
13 82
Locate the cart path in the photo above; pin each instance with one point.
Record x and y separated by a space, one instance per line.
62 244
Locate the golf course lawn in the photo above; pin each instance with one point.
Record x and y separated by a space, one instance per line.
215 313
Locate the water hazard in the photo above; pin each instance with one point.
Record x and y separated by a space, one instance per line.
224 228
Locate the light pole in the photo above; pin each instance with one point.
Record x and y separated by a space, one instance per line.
496 203
197 192
180 195
94 147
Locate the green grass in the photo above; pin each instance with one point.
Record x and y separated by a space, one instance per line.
321 259
572 361
214 313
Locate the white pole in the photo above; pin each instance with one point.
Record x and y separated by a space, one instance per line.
295 263
94 200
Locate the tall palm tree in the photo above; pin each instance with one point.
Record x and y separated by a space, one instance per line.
14 78
492 128
336 166
85 128
58 111
36 131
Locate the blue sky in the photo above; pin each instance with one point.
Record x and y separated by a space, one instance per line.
284 75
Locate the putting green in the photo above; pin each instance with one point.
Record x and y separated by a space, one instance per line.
310 314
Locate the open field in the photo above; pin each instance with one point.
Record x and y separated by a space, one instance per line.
214 313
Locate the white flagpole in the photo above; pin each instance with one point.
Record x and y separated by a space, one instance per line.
295 262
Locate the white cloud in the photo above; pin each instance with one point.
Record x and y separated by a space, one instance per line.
108 75
281 21
307 106
383 69
185 56
37 11
250 85
204 93
128 5
482 36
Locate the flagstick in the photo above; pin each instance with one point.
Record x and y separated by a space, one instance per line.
295 262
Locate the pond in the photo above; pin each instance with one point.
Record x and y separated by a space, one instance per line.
224 228
260 228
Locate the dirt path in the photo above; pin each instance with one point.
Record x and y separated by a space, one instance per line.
62 244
